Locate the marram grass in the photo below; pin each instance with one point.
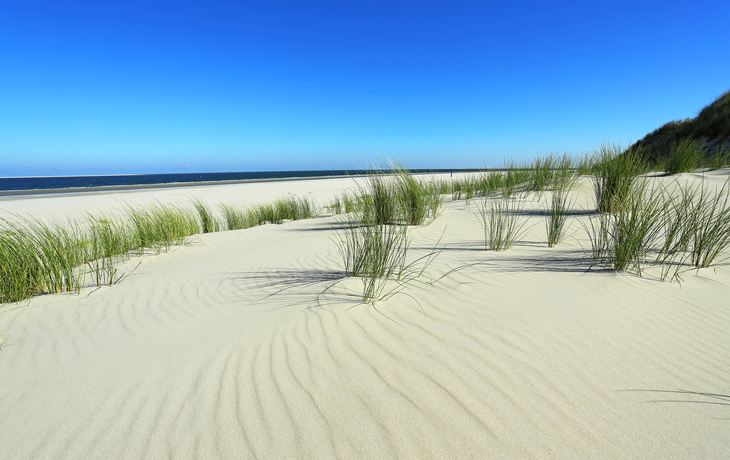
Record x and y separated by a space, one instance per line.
395 196
615 172
501 222
39 257
377 254
692 227
557 217
623 239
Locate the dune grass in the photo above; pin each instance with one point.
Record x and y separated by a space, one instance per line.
374 253
501 222
39 258
708 225
686 156
286 208
237 217
373 240
208 222
615 172
632 222
556 217
108 240
550 172
710 126
719 159
160 226
624 238
417 200
21 270
693 226
394 196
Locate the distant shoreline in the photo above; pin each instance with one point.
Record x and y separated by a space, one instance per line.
103 188
196 183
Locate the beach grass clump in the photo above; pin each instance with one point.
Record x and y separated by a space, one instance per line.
37 258
623 239
285 208
442 186
159 226
565 172
417 200
491 183
615 172
501 222
635 229
377 255
709 223
686 156
300 208
380 203
19 264
266 214
107 240
108 236
374 253
60 251
697 226
470 187
394 196
719 159
208 222
516 177
238 218
540 174
556 217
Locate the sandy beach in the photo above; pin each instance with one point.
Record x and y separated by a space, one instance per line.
251 344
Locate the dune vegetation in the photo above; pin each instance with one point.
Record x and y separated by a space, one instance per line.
706 135
635 222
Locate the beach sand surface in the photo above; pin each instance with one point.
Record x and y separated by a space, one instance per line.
251 344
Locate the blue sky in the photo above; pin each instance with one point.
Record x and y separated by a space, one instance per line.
141 87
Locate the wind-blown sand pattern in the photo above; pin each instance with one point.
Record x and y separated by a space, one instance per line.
249 344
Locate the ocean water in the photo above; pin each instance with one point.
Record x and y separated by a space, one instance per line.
63 182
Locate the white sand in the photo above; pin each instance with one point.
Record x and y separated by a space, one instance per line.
233 347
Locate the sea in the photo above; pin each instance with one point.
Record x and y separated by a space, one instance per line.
12 185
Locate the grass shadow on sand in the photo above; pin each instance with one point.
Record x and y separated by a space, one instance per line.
302 287
690 397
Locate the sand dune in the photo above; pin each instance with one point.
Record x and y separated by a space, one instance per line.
250 344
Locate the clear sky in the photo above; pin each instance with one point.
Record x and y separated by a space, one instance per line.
100 87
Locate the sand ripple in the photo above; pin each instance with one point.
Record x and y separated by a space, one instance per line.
251 344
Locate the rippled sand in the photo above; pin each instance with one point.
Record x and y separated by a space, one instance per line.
249 344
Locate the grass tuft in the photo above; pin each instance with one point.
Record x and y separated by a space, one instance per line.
394 196
686 157
238 218
208 222
615 173
501 222
556 217
373 253
623 239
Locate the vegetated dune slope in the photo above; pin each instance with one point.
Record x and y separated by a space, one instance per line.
249 344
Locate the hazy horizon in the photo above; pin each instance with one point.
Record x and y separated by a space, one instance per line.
176 87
